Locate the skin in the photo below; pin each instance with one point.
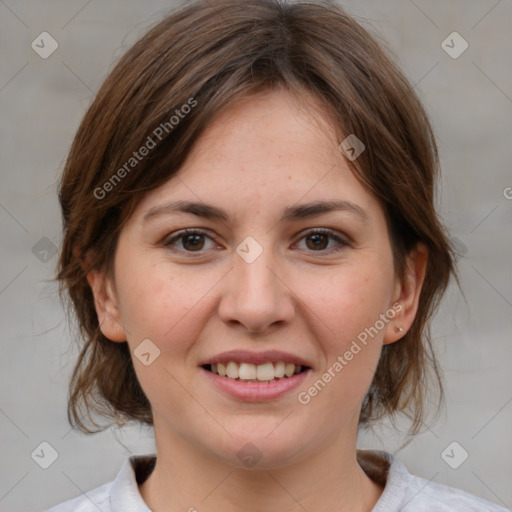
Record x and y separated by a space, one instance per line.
262 155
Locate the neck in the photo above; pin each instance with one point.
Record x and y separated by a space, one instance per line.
188 479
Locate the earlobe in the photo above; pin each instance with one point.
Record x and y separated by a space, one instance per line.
106 306
407 294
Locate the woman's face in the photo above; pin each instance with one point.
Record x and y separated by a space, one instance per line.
262 272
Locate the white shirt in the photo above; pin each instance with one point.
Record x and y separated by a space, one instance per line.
403 492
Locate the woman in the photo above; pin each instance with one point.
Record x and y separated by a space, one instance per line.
253 254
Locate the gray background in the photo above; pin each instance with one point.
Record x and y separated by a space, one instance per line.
42 102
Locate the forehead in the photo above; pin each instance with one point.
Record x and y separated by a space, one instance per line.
262 152
271 123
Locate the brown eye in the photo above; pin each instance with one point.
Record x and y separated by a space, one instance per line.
193 242
318 240
189 240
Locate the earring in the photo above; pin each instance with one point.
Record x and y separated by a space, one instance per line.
399 329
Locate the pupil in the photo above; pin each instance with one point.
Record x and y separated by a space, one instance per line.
196 239
319 237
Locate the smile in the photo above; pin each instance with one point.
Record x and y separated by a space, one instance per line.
247 372
253 389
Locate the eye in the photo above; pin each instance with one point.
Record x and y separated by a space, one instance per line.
189 240
317 240
195 241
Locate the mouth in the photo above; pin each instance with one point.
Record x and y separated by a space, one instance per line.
251 376
266 373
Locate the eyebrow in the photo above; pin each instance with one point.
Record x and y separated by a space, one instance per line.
292 213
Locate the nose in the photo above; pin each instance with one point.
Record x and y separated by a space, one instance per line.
255 296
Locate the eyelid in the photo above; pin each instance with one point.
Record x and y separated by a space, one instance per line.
177 235
341 239
327 231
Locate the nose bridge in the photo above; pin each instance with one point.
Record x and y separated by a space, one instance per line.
254 280
253 294
255 277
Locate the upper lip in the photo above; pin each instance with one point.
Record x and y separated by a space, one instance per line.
246 356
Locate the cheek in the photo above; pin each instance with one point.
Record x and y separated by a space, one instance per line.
169 308
351 306
164 309
348 301
347 311
152 298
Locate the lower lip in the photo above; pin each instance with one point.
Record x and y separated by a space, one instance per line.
255 391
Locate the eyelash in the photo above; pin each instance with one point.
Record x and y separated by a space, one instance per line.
343 243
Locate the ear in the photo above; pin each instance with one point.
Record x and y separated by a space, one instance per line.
406 295
106 304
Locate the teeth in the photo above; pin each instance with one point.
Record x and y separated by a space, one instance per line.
232 370
289 369
279 370
221 369
266 372
247 371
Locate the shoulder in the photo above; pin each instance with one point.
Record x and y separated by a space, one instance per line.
98 498
121 494
425 495
404 492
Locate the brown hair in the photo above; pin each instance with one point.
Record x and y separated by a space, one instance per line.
208 54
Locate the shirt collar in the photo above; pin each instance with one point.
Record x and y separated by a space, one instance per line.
124 494
397 482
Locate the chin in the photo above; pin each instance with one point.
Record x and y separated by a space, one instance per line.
257 446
